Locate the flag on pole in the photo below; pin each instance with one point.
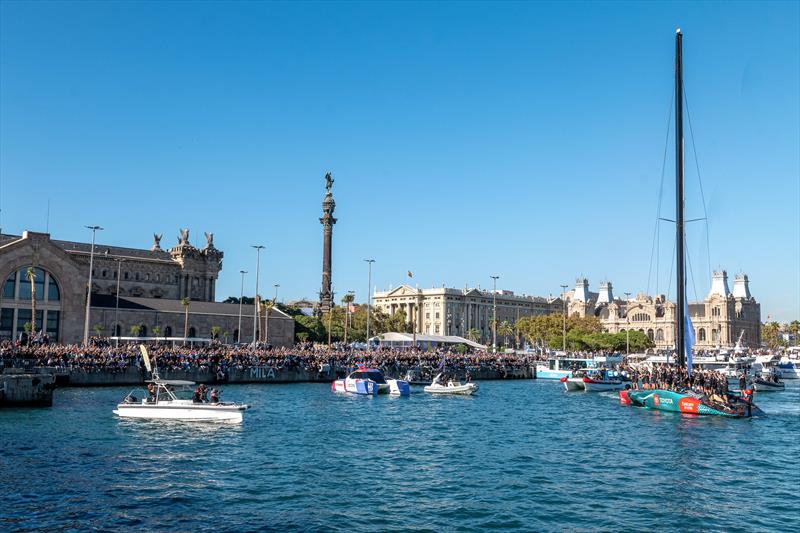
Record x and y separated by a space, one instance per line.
689 338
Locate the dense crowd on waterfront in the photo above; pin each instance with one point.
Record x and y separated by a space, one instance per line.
103 356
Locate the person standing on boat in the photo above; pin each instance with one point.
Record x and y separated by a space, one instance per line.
742 382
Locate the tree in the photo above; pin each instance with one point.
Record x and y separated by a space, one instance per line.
347 299
771 335
225 335
31 275
267 305
185 303
473 335
215 331
136 330
156 331
98 329
505 330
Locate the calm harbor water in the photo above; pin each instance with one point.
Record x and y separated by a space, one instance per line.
520 455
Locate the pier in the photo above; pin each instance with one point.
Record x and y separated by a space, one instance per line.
21 389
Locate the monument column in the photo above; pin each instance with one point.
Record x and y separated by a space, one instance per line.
327 221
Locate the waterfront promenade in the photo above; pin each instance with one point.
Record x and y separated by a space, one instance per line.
103 364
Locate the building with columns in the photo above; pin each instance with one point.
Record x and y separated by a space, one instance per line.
150 283
449 311
718 320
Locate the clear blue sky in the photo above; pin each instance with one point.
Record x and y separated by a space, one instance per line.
466 139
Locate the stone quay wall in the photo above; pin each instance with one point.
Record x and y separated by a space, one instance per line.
255 374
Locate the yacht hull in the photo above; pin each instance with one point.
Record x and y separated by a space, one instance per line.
200 412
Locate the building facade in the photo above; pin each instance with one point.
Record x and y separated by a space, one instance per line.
719 320
449 311
131 288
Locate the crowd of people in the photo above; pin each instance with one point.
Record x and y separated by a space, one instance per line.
219 358
662 376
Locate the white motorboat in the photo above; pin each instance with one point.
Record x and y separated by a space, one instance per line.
767 385
175 400
168 403
600 384
440 386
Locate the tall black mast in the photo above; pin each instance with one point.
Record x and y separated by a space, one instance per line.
679 232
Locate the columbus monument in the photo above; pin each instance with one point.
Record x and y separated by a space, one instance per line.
327 221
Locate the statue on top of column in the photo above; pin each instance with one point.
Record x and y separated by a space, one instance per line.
328 182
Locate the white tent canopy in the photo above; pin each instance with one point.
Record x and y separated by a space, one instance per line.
406 340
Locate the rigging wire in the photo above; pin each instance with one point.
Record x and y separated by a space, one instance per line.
700 181
657 230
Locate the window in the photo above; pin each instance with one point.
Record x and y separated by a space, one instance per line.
701 335
8 288
192 332
437 315
127 275
660 335
168 331
136 277
104 273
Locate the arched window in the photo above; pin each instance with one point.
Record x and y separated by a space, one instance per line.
192 332
650 334
117 330
15 315
701 335
168 331
660 334
143 331
714 335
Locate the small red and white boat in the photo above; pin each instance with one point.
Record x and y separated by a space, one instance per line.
573 384
600 385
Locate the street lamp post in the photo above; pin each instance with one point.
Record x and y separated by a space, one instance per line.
369 296
116 307
275 300
627 329
258 248
89 288
494 312
564 318
241 296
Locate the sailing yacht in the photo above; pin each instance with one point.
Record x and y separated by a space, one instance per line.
686 401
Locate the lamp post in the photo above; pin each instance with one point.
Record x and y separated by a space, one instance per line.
241 296
494 312
330 319
116 307
347 300
89 288
627 329
276 293
258 248
369 295
564 317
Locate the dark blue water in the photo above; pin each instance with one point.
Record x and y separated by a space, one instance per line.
520 455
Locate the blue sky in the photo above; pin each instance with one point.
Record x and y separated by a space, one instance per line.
466 139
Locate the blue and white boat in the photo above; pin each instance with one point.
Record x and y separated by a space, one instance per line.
370 381
788 369
564 366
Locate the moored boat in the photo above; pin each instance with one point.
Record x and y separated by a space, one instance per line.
689 402
370 381
440 385
788 369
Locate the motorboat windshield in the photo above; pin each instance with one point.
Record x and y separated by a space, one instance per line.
372 375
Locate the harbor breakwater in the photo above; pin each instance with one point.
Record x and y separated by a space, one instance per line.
65 377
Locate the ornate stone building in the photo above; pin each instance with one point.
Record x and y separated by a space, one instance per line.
151 285
448 311
718 320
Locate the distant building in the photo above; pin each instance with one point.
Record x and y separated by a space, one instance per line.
151 284
449 311
718 320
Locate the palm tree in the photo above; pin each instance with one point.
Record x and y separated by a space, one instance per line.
215 331
185 303
473 335
31 275
98 329
347 299
136 330
505 330
267 306
157 331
